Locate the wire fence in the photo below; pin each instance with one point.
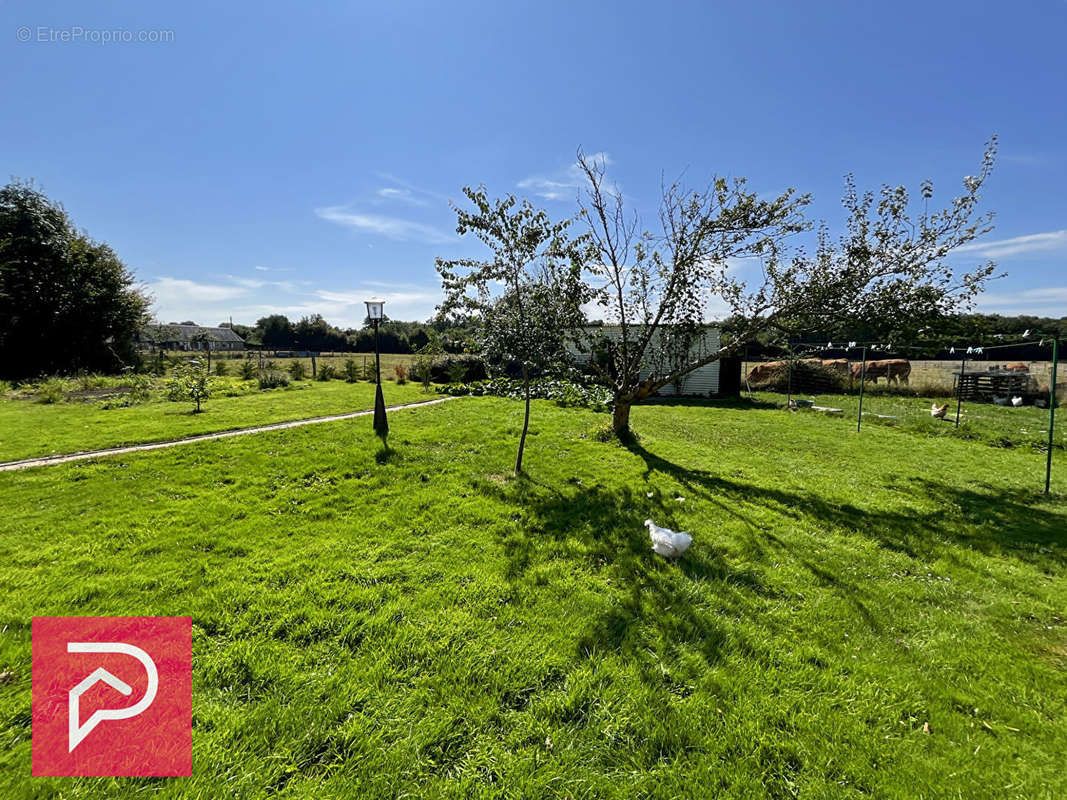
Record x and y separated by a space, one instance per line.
971 392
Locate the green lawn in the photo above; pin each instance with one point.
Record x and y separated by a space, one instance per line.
1001 426
859 616
31 429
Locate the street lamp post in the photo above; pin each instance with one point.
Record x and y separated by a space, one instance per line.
375 312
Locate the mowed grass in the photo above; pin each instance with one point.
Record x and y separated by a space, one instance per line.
872 616
30 429
1000 426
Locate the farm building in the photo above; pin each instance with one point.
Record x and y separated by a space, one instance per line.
190 337
716 378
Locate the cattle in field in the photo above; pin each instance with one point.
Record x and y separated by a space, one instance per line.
838 366
764 372
1018 366
892 369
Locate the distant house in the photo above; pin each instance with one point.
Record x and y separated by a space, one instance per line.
703 380
190 337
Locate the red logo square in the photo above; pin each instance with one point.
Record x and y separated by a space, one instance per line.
112 696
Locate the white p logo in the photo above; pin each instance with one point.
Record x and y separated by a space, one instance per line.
77 732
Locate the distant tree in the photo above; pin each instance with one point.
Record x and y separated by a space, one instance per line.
539 267
67 303
887 272
276 331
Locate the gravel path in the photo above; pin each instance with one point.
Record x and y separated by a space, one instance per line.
45 461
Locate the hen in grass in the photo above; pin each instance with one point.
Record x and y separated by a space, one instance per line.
666 542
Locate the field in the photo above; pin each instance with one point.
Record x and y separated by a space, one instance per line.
877 615
29 428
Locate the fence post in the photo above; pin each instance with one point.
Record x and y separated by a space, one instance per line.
789 387
863 380
313 367
1051 413
959 390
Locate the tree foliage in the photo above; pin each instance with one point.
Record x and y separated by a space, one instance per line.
887 272
527 295
67 303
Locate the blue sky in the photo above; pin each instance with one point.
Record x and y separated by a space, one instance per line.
253 158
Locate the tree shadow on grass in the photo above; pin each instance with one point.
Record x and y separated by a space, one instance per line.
997 521
604 528
723 403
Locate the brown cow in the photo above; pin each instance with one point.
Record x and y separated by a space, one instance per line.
764 371
839 366
892 369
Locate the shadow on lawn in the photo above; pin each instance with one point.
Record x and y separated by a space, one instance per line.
998 521
655 611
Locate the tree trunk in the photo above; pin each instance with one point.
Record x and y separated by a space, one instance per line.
620 421
525 421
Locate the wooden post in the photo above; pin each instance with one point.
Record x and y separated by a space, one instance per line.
313 367
959 390
1051 413
863 380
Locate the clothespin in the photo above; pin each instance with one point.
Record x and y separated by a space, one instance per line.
970 350
829 345
851 345
978 350
951 350
1026 333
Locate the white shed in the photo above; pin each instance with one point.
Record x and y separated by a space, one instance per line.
702 381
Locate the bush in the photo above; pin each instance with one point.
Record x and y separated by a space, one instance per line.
248 369
273 379
51 391
297 371
564 393
190 383
458 369
808 377
221 369
401 373
5 387
327 372
352 371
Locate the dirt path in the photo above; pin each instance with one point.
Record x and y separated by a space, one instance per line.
44 461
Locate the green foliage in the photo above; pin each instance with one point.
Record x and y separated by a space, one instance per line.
352 371
564 393
67 303
297 371
326 372
221 369
400 372
190 382
51 391
273 379
248 369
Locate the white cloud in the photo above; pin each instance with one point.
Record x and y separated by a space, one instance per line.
401 195
1048 299
179 289
564 183
1052 240
263 269
395 228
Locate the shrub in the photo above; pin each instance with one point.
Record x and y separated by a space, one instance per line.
5 387
221 369
297 371
458 369
248 369
352 371
51 391
401 373
327 372
273 379
564 393
190 383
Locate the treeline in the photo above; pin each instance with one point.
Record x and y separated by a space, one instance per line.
278 332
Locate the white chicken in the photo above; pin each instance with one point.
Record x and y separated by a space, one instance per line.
938 412
1016 401
666 542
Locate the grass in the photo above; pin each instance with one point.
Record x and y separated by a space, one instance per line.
881 615
30 429
1000 426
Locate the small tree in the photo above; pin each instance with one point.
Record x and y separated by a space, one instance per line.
190 382
886 273
535 268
